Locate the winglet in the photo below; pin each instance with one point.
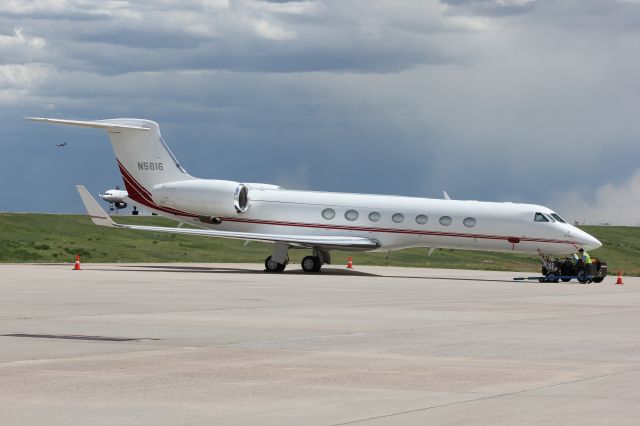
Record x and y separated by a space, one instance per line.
96 213
446 195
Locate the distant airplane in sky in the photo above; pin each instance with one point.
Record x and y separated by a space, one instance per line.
319 221
60 145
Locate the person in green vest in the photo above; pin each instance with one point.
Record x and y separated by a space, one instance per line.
585 256
586 260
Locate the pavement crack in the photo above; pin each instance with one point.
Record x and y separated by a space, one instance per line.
450 404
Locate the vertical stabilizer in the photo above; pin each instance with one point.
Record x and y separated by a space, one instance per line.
143 157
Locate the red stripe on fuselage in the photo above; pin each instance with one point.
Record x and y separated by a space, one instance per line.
388 230
140 194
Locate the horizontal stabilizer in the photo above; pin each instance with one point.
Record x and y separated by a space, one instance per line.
97 124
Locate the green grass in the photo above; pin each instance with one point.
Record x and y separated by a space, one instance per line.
26 237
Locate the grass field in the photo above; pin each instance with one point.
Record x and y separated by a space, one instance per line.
26 237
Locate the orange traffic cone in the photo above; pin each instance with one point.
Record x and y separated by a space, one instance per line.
619 280
350 263
76 267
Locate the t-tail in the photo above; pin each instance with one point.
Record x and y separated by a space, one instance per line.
143 157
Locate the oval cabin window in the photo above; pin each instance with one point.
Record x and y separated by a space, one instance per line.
351 215
469 222
374 216
397 218
445 220
422 219
328 214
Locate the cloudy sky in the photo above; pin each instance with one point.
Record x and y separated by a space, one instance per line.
506 100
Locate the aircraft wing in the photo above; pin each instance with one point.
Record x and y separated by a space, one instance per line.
100 217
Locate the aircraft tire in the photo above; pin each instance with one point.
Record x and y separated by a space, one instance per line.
270 266
318 265
566 280
311 264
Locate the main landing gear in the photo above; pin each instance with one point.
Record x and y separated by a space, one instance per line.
279 259
273 266
311 264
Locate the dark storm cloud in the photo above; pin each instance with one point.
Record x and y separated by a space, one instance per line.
135 38
299 38
493 7
150 53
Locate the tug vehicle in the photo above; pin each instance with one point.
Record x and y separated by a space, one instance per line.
568 268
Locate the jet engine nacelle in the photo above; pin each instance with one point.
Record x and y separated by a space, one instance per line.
204 197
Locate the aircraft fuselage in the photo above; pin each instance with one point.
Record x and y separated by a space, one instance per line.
395 221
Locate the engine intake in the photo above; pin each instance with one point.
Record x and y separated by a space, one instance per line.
241 198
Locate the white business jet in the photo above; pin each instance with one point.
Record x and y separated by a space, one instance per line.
320 221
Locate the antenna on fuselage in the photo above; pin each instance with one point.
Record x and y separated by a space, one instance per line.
446 196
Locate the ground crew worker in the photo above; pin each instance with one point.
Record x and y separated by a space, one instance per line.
585 257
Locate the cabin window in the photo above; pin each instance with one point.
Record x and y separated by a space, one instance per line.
422 219
558 218
540 218
469 222
351 215
445 220
328 214
397 218
374 216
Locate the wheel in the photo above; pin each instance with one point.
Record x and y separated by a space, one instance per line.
271 266
311 264
582 276
602 273
552 278
566 280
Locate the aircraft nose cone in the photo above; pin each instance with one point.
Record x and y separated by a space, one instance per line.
588 242
594 244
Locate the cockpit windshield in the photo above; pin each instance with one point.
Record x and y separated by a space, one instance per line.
540 218
558 218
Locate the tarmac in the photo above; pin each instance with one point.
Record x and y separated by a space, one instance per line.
204 344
